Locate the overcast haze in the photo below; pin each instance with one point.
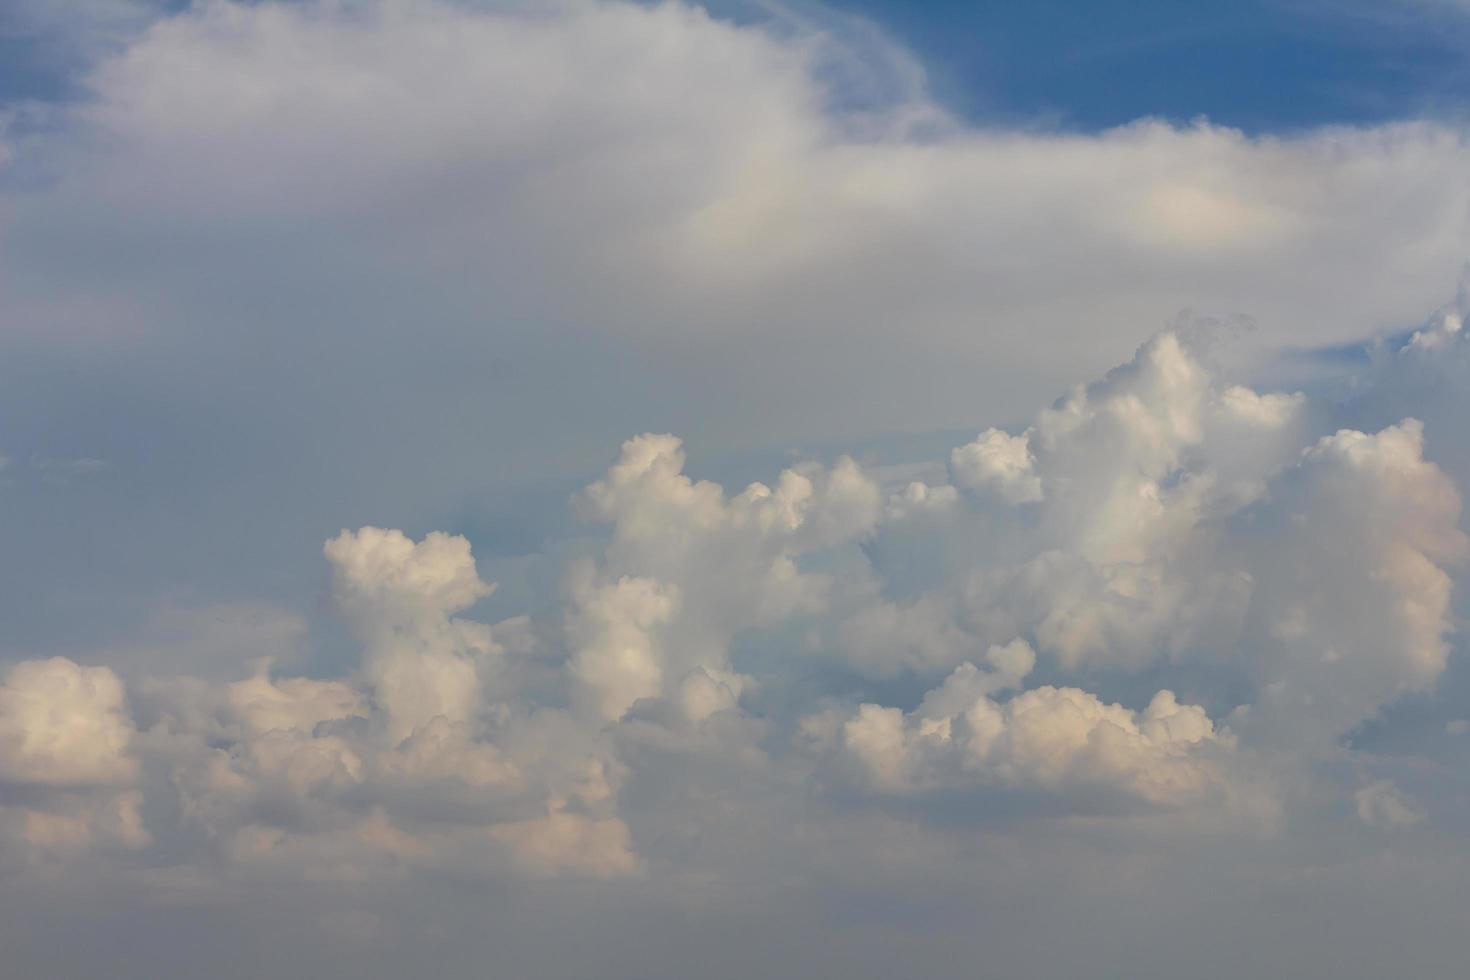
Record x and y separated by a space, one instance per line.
643 490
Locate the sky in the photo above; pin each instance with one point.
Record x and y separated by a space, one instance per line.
494 488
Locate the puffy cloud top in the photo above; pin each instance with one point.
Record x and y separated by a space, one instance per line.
63 724
1060 740
385 572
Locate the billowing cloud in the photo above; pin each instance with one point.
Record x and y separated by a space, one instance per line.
64 724
413 762
1096 532
687 568
423 663
1054 739
66 761
1000 462
1352 596
1166 519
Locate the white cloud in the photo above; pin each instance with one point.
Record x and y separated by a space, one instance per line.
1178 522
998 461
693 191
1183 526
1178 519
1103 540
687 567
1062 741
613 629
412 763
1352 595
62 724
66 762
422 662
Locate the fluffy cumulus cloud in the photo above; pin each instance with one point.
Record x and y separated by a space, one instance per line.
1353 593
66 761
1167 607
64 725
422 663
1061 741
1098 532
409 763
686 568
1000 462
1159 521
1053 738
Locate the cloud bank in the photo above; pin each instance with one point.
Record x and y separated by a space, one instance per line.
1166 519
